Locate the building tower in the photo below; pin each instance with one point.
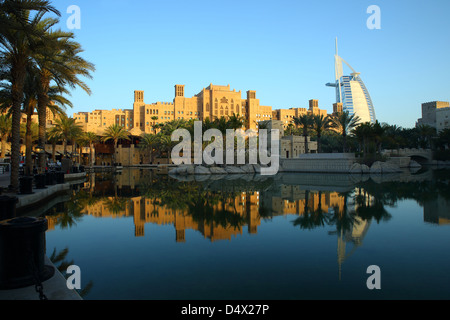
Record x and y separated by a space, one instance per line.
179 90
352 92
138 110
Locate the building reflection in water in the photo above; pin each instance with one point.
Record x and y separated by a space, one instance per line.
222 210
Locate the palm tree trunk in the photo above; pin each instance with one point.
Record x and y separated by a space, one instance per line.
43 102
54 152
18 73
65 147
28 145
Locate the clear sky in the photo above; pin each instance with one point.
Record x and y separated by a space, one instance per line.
282 49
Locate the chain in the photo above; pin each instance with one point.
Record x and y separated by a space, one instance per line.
38 284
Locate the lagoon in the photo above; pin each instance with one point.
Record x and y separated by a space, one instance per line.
143 236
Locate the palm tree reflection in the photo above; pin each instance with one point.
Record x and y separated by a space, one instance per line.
60 262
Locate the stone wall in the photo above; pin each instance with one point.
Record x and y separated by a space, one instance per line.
324 162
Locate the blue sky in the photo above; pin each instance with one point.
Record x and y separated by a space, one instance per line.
282 49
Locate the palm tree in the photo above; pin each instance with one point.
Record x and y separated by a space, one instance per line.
378 135
263 125
320 124
344 123
426 132
68 129
91 138
305 122
236 121
155 125
58 61
54 136
364 133
148 142
358 132
5 131
56 105
115 133
166 144
444 138
20 38
222 125
289 129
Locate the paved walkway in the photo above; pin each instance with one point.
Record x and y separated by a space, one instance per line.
54 288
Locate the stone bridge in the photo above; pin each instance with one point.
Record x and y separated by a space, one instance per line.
419 155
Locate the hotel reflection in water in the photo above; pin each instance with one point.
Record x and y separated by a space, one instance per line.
287 200
250 206
246 204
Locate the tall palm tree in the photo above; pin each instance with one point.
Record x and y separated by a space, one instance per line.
148 142
115 133
68 129
236 121
155 125
5 131
393 136
364 133
60 62
56 104
344 123
320 124
222 125
54 136
378 135
166 144
426 132
91 138
305 122
20 38
289 129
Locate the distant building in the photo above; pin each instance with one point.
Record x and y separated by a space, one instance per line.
287 115
291 146
435 114
352 93
212 102
98 120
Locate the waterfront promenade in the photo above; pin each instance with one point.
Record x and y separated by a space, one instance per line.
55 288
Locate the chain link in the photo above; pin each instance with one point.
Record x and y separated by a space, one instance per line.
34 271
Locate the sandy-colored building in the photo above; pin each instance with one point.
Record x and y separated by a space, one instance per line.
435 114
212 102
291 146
288 115
98 120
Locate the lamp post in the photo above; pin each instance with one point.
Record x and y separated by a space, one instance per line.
40 151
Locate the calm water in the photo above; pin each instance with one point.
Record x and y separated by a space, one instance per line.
139 235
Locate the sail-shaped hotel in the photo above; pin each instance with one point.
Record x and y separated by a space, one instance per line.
352 92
